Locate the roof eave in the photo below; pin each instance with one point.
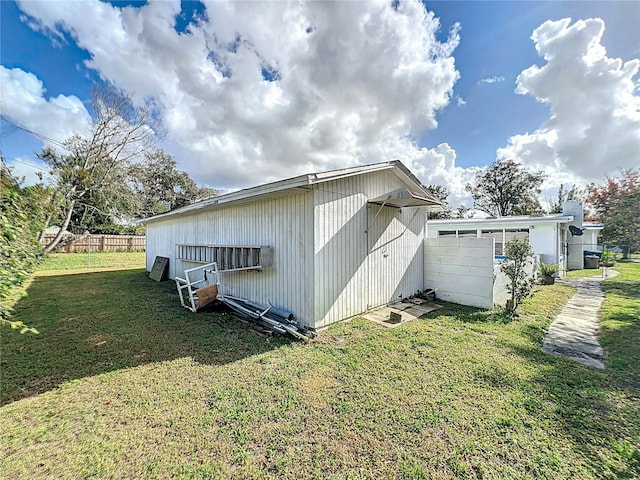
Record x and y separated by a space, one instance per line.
505 220
297 182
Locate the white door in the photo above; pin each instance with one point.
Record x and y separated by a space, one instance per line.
384 270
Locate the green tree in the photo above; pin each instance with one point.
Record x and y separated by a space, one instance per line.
159 186
506 188
520 258
23 212
91 174
462 212
616 203
442 194
574 193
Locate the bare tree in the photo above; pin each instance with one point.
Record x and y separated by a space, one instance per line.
91 173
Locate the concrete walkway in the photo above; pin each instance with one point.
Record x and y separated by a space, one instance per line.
573 334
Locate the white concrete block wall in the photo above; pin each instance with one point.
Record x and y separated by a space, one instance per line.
461 269
576 248
501 281
500 293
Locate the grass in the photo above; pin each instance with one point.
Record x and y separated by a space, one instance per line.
621 320
96 260
589 272
123 383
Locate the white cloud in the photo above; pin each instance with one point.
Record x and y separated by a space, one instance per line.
356 79
436 166
461 102
24 102
490 80
594 125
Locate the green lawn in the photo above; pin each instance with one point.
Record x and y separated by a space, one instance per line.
100 260
124 383
589 272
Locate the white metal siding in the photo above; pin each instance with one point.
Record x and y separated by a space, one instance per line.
396 260
285 224
351 272
461 269
331 258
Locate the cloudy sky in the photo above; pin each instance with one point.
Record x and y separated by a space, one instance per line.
253 92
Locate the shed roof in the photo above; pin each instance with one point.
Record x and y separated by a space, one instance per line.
303 182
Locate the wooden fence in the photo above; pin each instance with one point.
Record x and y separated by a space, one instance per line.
97 243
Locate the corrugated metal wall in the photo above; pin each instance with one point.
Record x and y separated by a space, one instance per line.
396 261
334 255
362 261
285 224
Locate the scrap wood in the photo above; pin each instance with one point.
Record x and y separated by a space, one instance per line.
206 295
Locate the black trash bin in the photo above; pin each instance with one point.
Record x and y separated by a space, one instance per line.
591 261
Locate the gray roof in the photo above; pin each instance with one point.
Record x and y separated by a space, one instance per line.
299 182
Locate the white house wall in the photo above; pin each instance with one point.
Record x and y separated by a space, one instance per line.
544 241
546 238
591 240
285 224
462 269
575 260
359 261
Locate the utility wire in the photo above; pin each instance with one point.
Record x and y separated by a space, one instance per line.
35 134
25 163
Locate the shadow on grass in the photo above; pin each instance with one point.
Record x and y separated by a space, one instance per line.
598 410
94 323
466 314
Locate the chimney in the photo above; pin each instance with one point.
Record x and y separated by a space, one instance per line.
574 207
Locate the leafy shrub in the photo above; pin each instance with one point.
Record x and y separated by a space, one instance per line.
22 212
608 258
548 269
520 256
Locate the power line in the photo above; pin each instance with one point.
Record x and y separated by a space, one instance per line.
35 134
26 163
8 131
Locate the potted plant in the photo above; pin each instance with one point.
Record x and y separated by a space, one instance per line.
548 272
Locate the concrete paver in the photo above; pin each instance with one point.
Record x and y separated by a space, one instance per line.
574 332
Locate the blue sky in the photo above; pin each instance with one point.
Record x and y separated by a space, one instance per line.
350 83
496 43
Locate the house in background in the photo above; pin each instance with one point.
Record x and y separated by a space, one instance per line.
325 246
561 239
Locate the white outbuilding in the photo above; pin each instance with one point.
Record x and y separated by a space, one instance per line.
325 246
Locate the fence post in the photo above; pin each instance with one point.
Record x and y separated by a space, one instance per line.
130 244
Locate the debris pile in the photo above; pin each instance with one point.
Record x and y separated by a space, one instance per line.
270 317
